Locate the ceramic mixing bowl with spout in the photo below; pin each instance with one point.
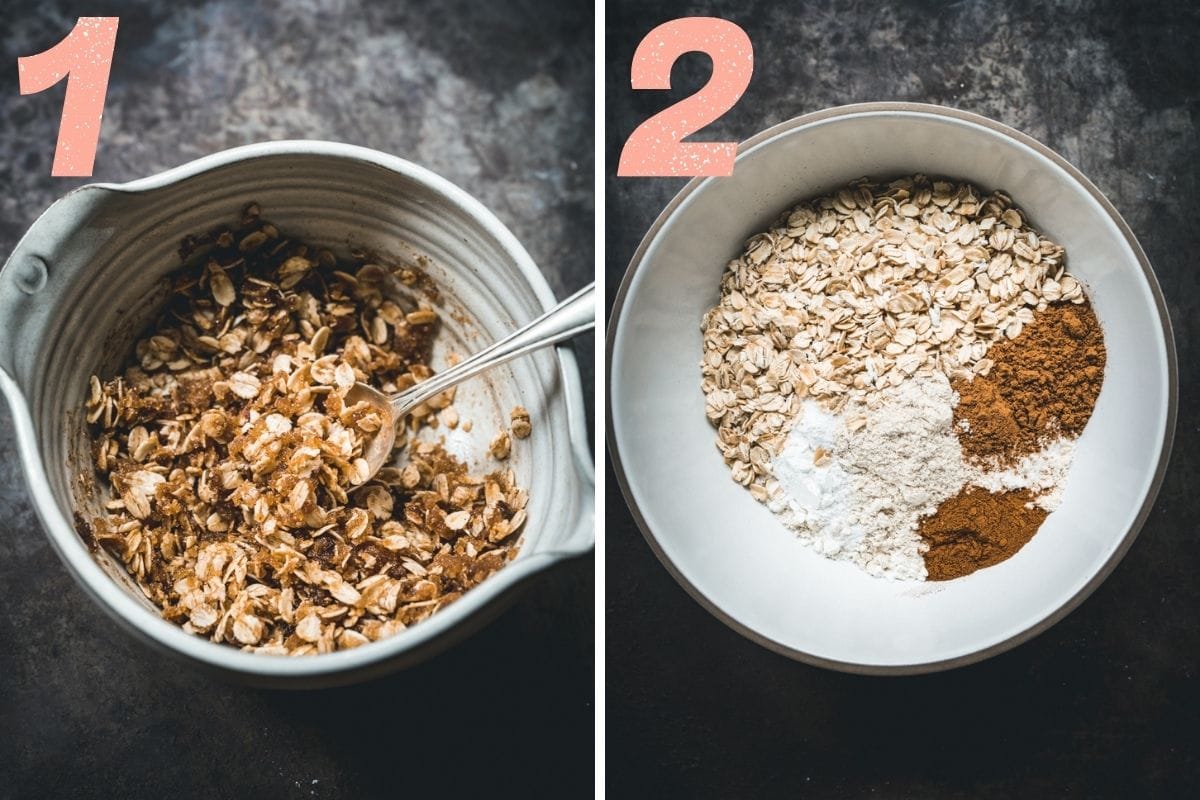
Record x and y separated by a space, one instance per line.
88 277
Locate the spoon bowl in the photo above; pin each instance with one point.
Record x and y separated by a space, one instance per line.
572 316
376 449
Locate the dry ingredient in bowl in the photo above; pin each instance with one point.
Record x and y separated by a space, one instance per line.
977 528
240 500
843 340
1020 421
1044 382
898 465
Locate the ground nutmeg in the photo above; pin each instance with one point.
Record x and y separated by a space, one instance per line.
1043 384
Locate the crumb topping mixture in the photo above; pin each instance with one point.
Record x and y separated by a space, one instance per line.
241 503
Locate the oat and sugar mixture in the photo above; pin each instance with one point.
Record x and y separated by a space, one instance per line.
240 501
900 371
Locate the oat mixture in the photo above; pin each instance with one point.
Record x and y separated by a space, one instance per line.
849 297
241 503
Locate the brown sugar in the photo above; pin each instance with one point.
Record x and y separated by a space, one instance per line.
976 529
1043 384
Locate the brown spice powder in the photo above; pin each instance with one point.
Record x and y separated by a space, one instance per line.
976 529
1044 383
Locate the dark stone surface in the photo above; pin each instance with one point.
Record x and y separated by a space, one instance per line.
496 97
1105 704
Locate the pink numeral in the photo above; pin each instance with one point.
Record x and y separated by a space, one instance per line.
656 147
86 56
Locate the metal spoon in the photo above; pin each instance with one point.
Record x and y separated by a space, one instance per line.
574 315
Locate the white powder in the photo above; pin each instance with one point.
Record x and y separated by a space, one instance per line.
864 503
883 477
1044 473
816 498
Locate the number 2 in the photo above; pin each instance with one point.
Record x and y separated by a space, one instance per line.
656 147
85 55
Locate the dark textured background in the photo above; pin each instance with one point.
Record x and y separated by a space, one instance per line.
1106 703
496 97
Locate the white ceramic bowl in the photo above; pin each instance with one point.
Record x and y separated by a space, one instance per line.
88 276
730 552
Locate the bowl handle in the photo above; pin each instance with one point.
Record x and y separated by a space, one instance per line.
36 273
23 277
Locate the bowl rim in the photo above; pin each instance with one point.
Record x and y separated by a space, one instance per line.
370 659
930 111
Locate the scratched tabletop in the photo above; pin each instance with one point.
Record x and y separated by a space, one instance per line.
499 101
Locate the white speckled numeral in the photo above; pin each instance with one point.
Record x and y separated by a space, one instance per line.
85 55
656 147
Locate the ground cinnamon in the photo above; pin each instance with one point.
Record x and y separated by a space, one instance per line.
976 529
1043 384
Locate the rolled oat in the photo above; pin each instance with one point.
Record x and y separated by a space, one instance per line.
240 502
853 292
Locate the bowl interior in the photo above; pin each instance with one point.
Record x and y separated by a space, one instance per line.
119 251
731 551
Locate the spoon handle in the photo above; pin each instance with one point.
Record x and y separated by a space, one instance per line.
574 315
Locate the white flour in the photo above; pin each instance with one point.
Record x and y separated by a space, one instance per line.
1044 473
863 504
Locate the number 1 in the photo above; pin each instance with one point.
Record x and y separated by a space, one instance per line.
85 56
